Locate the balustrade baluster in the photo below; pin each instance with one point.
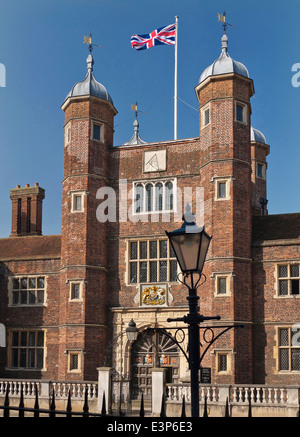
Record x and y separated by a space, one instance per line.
175 393
214 389
263 400
234 394
275 395
180 393
281 399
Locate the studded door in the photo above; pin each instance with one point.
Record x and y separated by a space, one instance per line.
152 350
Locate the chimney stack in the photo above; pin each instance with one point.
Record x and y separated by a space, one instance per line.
27 205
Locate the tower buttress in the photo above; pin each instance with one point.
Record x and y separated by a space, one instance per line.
89 119
224 93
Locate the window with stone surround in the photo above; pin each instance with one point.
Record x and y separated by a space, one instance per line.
260 170
205 115
77 200
97 132
241 112
26 349
154 196
223 361
67 134
222 284
289 348
151 261
76 290
222 187
288 279
74 361
27 290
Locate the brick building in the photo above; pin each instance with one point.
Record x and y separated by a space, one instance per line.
67 299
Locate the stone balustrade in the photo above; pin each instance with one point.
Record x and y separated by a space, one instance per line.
265 400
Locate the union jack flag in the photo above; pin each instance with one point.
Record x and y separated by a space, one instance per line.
163 35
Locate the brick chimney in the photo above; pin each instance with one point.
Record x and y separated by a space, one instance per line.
27 205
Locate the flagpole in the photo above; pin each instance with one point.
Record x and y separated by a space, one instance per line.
175 81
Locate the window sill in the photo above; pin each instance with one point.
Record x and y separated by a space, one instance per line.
25 369
242 122
222 295
25 305
165 211
288 296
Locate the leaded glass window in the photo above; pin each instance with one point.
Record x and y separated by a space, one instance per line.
288 280
28 291
154 196
289 348
222 288
27 349
151 261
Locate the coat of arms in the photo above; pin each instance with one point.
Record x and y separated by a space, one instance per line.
153 294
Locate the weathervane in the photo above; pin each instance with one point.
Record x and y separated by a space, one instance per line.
222 18
135 108
88 40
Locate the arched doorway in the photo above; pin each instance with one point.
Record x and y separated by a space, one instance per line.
152 350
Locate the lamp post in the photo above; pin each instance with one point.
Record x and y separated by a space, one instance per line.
190 244
132 334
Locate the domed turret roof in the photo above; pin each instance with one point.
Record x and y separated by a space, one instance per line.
89 86
224 64
256 135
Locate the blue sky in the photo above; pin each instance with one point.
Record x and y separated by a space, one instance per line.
41 46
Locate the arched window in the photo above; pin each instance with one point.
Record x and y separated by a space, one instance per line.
169 196
159 196
154 196
139 198
149 197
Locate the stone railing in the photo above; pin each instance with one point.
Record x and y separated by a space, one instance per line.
265 400
77 389
176 392
272 400
45 388
236 394
27 386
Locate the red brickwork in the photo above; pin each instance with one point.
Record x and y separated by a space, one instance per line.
245 246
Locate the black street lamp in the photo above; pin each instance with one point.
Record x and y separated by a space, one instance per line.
190 244
132 334
132 331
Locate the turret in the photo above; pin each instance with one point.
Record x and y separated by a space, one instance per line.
224 93
89 118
